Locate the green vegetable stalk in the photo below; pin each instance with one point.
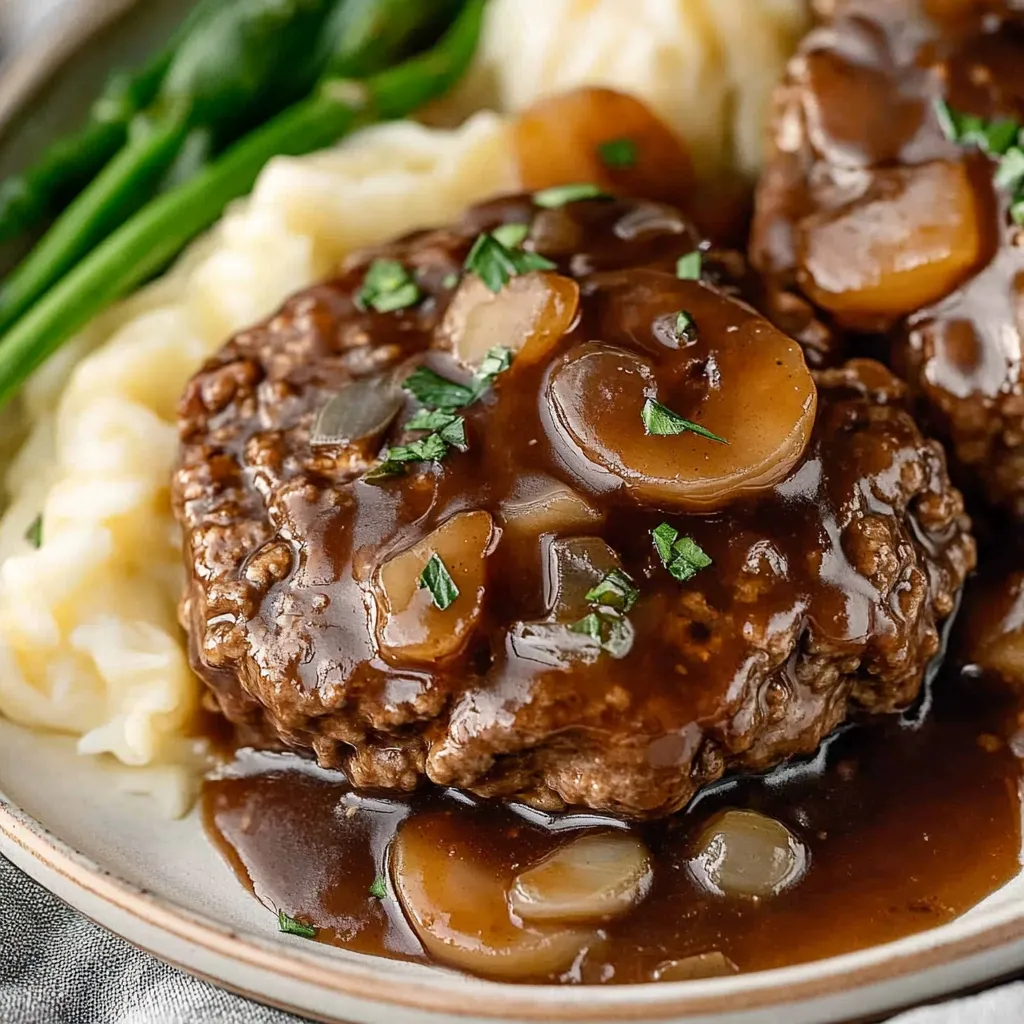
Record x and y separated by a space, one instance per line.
67 166
158 232
242 62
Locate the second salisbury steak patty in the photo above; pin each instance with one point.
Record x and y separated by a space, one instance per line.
553 587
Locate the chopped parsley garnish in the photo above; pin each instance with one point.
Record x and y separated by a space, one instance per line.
379 889
34 534
1001 138
432 419
615 590
1010 172
995 137
619 154
662 421
682 556
685 326
611 599
561 195
613 634
387 286
496 263
688 267
436 578
496 362
511 235
293 927
439 398
437 392
450 280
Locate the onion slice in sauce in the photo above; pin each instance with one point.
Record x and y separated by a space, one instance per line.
361 410
593 878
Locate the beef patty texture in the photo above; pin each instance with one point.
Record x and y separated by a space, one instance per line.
623 541
894 205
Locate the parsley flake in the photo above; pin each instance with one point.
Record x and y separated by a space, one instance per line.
437 392
511 235
611 599
685 327
450 280
615 590
379 888
34 534
614 634
661 421
1001 138
688 267
387 287
562 195
496 263
431 419
618 154
1010 172
436 578
291 926
496 362
682 556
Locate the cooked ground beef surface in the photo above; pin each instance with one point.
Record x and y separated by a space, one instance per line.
813 556
874 218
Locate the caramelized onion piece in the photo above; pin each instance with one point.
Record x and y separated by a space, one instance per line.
362 409
574 567
547 506
742 380
992 630
908 242
411 627
747 854
559 141
459 910
714 964
593 878
529 316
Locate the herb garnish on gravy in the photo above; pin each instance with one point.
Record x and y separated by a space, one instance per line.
436 578
660 420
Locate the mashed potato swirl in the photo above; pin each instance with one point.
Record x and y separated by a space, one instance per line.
89 640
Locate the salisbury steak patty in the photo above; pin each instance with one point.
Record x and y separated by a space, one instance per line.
873 216
499 613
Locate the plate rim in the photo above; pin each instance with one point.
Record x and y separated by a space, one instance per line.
435 991
440 990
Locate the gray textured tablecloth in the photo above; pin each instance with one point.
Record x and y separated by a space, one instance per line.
58 968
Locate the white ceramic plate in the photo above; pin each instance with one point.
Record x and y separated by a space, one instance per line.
161 884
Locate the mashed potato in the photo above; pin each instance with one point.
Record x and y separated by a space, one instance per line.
89 642
706 66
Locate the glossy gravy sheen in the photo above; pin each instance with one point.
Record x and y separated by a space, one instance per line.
908 824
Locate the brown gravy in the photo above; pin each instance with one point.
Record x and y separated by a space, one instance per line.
909 823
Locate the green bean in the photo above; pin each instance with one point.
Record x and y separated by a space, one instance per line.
245 60
68 165
155 235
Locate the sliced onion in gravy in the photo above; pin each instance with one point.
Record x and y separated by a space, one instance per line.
747 854
411 627
593 878
574 567
529 316
460 910
713 964
361 410
742 380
